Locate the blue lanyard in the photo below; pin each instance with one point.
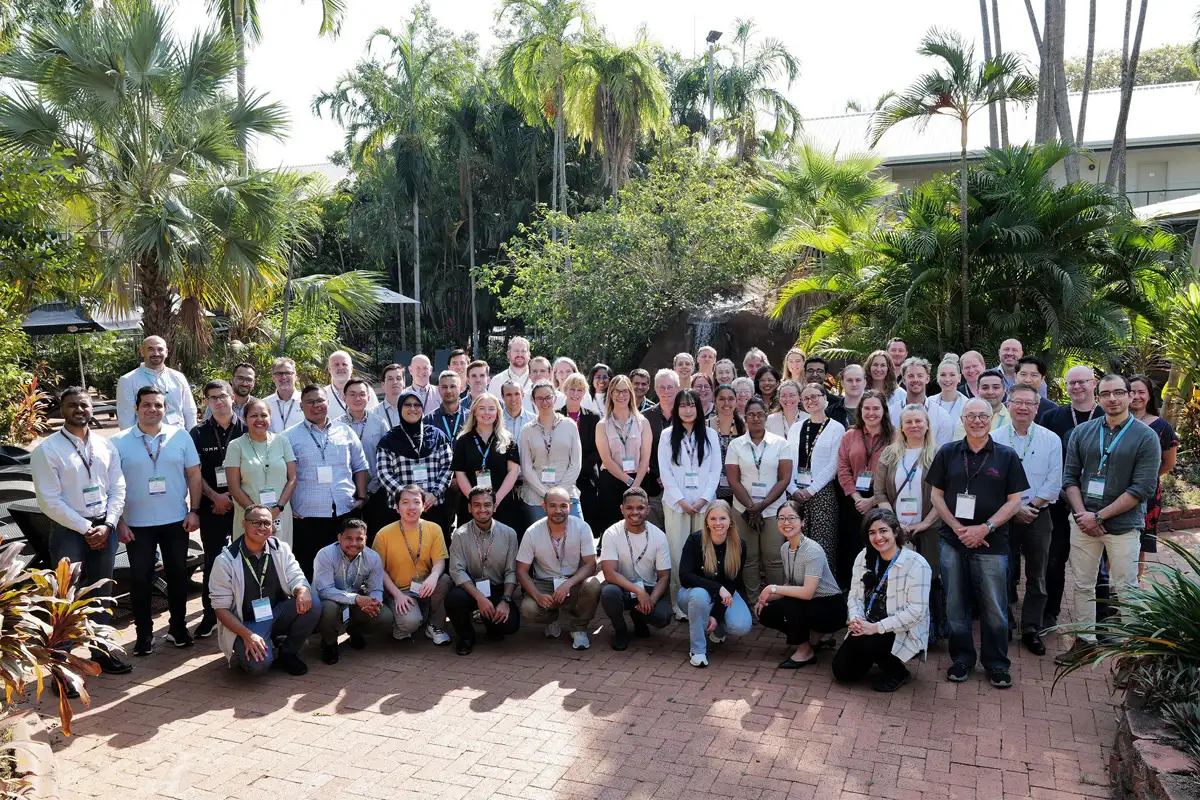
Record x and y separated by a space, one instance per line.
154 379
882 580
908 478
453 434
482 451
1105 453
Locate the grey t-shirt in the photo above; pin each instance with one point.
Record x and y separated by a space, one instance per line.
538 550
808 559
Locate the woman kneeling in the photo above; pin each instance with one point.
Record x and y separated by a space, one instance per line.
710 572
889 607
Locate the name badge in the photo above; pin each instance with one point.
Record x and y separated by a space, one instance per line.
804 478
559 582
691 480
639 584
484 587
549 476
628 464
93 498
267 497
262 609
345 615
324 474
420 473
1095 488
483 480
222 481
158 486
415 587
908 510
758 490
723 482
863 482
964 509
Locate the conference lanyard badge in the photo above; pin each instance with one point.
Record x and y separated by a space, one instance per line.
262 609
863 482
158 486
964 508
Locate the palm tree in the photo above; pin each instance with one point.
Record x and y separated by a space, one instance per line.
149 124
746 87
462 128
959 91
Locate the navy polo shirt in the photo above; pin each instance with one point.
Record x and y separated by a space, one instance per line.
991 475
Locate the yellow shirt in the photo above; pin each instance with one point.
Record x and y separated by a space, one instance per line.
397 546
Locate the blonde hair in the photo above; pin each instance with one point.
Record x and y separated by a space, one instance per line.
889 383
733 543
788 376
499 429
562 360
894 454
575 380
620 381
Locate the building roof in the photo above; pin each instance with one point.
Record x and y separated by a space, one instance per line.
1163 115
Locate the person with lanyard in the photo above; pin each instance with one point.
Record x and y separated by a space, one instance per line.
888 607
79 485
264 604
486 455
854 385
241 382
976 487
162 471
414 556
758 468
809 604
789 413
713 592
972 366
449 417
370 428
518 368
483 567
574 390
640 379
900 487
658 417
857 462
551 454
814 443
477 381
950 399
1081 389
348 577
897 350
636 560
261 470
728 425
816 370
599 377
916 377
556 567
515 416
284 402
212 439
623 439
703 386
991 390
1143 404
1110 474
539 370
793 366
393 384
1031 371
725 372
1040 452
331 476
153 372
421 370
415 453
341 369
689 463
685 367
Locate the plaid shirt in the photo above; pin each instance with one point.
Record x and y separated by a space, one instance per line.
396 471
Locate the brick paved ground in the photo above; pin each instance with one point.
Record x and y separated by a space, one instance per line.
530 718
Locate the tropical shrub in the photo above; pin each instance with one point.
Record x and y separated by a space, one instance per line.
107 356
14 352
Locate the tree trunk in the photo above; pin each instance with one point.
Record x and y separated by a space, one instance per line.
239 38
1000 52
1087 71
965 276
1116 164
471 259
416 211
287 301
155 296
1062 111
993 127
400 288
562 147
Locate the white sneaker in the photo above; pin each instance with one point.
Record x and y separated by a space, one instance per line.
680 616
553 630
580 640
699 660
402 637
438 635
712 637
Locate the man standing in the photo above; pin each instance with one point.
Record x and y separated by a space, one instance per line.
515 415
242 383
212 438
640 379
416 454
815 371
421 368
518 368
459 361
331 477
284 403
162 470
393 385
370 428
449 415
1031 371
477 383
1111 471
483 567
348 577
540 370
706 361
976 489
414 556
1011 352
685 367
153 371
636 559
1081 388
1040 452
666 386
81 488
341 369
897 350
556 566
915 374
991 389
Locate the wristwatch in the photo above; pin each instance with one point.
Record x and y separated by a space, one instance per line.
772 588
279 507
507 599
196 510
991 528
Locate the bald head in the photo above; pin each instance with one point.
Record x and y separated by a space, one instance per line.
340 367
1081 386
154 352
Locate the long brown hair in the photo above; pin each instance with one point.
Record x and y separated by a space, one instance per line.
733 543
889 383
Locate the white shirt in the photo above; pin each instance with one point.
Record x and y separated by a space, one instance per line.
60 475
500 378
639 556
387 412
284 413
337 403
1040 451
675 477
181 406
743 453
431 397
939 420
954 408
547 563
824 455
909 505
778 424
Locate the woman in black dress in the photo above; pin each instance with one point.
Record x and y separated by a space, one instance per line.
485 454
1143 404
575 390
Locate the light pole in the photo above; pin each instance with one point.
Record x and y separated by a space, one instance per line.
712 38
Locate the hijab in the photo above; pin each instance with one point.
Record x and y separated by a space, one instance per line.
413 440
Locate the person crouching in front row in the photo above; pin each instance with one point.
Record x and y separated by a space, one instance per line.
483 566
713 593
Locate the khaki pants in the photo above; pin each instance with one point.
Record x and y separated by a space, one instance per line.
1084 561
433 607
579 608
331 625
678 527
762 549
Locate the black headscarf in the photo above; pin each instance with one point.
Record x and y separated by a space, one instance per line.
409 439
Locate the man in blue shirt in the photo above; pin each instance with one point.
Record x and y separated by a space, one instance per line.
348 577
162 470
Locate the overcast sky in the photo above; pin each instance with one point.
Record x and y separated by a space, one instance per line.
848 49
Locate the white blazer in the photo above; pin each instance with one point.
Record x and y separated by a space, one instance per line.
674 476
824 455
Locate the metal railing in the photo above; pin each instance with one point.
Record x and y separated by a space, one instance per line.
1151 196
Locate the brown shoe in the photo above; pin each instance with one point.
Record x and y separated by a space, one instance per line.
1079 650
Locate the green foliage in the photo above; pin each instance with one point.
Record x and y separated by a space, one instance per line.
1183 340
14 352
106 357
1170 63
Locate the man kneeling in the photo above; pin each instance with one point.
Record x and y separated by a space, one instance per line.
483 566
348 577
264 605
636 559
414 555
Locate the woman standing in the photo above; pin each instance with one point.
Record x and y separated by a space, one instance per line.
793 365
725 372
854 383
888 607
598 379
713 592
950 399
563 368
690 467
623 441
260 469
858 460
880 377
809 603
702 385
575 393
789 412
1143 404
729 425
766 386
484 454
744 387
972 365
685 367
813 445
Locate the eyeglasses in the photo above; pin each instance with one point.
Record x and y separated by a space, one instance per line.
786 518
1083 382
288 372
261 524
212 398
977 417
1113 393
1023 403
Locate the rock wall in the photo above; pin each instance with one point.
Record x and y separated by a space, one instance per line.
731 337
1144 765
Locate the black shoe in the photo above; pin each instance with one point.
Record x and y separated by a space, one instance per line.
357 641
144 645
958 672
891 683
206 627
495 636
291 664
464 647
620 641
1049 622
1033 643
72 694
641 630
329 654
1000 678
791 663
180 638
112 664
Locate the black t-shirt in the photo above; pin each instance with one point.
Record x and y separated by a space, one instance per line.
262 568
468 457
211 442
1064 419
991 475
876 599
658 423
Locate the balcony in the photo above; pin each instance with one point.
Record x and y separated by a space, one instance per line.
1152 196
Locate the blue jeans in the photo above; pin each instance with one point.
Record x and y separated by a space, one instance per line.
975 576
97 564
537 512
698 605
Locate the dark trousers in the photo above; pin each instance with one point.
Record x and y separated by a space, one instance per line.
858 654
377 513
796 619
97 565
310 534
607 510
1031 544
975 579
442 515
616 601
1056 561
286 627
215 530
460 605
172 539
850 540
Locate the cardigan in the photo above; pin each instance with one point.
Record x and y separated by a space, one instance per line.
852 459
907 601
824 460
885 488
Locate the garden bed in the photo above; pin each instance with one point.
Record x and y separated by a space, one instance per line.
1145 762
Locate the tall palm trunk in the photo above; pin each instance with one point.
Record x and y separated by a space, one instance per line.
965 269
239 38
1000 52
154 293
1087 71
1062 111
287 301
993 126
416 225
561 99
1116 164
471 261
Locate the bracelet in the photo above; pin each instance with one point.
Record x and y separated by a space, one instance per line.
195 511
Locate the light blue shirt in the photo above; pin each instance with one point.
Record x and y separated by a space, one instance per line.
181 406
369 432
514 424
175 452
343 453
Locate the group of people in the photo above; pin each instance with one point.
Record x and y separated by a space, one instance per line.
891 502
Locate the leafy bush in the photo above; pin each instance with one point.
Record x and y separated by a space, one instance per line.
106 357
14 352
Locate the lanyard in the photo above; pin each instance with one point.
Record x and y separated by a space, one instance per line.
223 446
84 454
1105 453
285 415
357 572
420 542
1012 431
452 433
804 440
558 553
953 405
911 471
155 379
756 456
689 447
263 458
324 441
419 444
157 451
350 421
483 451
260 577
966 469
483 557
1075 420
548 440
338 397
872 451
880 584
792 564
624 436
629 543
387 412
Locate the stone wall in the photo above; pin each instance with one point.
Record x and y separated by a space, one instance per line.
1143 764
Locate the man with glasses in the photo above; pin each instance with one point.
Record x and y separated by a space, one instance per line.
331 477
154 372
1040 452
212 438
1031 371
815 371
415 453
551 454
284 403
991 389
242 383
666 386
976 489
1111 471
